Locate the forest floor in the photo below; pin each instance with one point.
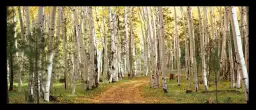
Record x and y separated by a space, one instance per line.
137 90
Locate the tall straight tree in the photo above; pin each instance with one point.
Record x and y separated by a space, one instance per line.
105 50
38 42
91 49
154 76
23 33
192 46
64 37
186 44
238 42
132 48
202 44
162 49
226 34
127 40
51 54
177 45
113 47
244 33
206 36
150 35
31 65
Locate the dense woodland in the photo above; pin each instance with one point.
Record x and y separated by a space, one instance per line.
89 46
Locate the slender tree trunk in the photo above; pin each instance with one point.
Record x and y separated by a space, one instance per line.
64 37
192 47
127 40
154 56
205 41
115 41
113 49
105 51
91 49
162 49
186 44
237 40
177 45
23 35
226 34
30 85
51 54
245 34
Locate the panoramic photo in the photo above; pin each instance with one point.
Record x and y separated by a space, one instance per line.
127 54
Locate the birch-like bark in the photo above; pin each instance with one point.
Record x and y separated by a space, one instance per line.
23 33
206 37
186 44
115 41
177 45
192 47
134 67
113 67
105 66
162 49
223 50
202 38
150 36
31 65
226 34
91 49
64 38
51 54
155 82
238 43
81 50
245 34
38 51
56 48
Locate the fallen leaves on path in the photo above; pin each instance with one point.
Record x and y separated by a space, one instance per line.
128 92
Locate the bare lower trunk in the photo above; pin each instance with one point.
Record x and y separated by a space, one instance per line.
239 52
162 49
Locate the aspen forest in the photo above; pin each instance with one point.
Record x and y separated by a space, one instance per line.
127 54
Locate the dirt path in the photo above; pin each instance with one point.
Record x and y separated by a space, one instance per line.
124 93
128 92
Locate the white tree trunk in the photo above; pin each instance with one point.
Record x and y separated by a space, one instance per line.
205 41
154 81
162 49
91 49
81 50
31 72
64 38
105 70
177 45
51 54
238 42
113 66
192 47
127 40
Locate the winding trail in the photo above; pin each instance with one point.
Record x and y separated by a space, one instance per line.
127 92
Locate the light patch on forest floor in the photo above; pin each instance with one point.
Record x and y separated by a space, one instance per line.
128 92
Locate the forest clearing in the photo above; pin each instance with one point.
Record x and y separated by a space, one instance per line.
126 54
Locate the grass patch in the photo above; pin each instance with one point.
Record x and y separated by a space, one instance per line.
66 96
178 95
